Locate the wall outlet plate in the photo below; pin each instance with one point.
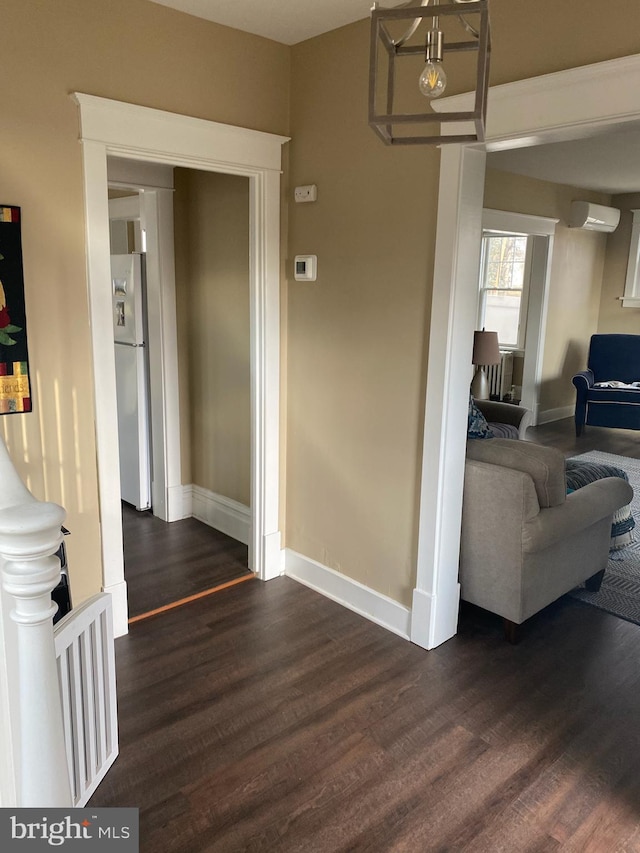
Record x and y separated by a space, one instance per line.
305 267
306 193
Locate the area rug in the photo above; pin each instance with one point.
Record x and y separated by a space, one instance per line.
620 590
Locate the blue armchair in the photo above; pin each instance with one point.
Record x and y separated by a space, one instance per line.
608 392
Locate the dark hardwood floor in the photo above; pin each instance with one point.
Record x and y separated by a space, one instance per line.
268 718
168 562
562 434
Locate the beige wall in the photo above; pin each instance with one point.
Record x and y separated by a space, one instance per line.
576 276
613 317
212 297
358 338
356 353
134 51
574 303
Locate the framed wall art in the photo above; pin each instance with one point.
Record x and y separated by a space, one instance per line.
15 391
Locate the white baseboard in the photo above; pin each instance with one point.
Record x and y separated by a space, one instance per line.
179 503
355 596
226 515
427 630
120 607
422 618
187 501
272 558
559 414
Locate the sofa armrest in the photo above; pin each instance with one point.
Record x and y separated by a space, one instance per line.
583 381
583 508
506 413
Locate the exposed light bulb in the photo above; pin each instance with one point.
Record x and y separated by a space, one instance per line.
433 80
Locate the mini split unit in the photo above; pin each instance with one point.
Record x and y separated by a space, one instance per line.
593 217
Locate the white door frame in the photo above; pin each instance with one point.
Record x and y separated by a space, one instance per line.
125 130
569 104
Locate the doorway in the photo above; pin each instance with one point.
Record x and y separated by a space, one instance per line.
166 565
565 105
154 136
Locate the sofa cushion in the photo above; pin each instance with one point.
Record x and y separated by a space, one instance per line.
477 426
608 394
545 465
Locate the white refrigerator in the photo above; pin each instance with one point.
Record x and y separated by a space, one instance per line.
129 333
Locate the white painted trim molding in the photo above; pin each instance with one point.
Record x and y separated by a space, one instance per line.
567 105
549 415
572 104
179 503
112 128
631 298
355 596
224 514
436 597
524 223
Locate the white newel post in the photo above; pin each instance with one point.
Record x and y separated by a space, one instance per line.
29 537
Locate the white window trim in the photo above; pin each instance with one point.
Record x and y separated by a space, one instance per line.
506 222
631 298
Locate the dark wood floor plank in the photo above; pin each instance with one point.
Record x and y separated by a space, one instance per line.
561 434
268 718
168 562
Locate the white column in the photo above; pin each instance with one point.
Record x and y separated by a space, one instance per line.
29 537
434 615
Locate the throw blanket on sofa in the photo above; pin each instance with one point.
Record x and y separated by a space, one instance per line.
580 473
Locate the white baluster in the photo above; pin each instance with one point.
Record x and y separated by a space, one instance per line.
29 537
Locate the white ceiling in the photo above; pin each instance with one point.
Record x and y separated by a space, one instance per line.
608 163
286 21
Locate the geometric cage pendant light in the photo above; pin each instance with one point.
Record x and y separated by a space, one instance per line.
392 43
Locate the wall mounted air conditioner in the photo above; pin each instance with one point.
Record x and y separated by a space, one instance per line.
593 217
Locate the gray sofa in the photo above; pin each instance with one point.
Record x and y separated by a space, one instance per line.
501 415
525 542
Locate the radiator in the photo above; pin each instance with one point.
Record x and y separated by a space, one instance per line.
86 672
500 376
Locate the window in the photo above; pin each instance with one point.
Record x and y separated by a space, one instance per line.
631 298
506 264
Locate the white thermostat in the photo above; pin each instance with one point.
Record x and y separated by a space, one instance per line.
305 267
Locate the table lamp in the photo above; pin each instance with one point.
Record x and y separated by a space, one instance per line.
485 351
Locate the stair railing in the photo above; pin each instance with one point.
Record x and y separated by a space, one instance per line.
30 535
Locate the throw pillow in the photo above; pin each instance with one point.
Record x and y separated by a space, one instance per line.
477 426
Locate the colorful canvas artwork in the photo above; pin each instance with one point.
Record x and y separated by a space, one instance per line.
15 391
